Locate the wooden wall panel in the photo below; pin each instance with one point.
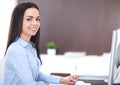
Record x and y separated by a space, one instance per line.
79 25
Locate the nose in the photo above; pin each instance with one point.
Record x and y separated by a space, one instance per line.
36 22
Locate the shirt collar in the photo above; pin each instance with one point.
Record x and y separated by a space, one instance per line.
23 42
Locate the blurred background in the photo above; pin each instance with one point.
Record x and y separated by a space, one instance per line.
75 25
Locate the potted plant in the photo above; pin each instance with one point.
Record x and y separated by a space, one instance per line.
51 48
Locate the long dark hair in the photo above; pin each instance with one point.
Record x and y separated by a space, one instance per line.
16 25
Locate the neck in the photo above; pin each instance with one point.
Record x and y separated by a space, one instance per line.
26 38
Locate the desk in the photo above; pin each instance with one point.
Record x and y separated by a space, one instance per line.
93 82
89 68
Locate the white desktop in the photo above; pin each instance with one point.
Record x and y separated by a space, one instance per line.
89 67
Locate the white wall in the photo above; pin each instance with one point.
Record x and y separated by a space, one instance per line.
6 7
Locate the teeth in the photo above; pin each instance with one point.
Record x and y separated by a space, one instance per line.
34 28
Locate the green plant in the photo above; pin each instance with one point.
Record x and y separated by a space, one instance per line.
51 45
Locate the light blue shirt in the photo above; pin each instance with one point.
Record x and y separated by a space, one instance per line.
22 66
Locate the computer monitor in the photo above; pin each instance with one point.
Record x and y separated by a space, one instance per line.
114 57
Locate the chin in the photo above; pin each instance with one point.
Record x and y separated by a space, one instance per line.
33 34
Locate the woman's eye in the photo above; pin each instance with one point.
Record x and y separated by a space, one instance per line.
29 19
38 19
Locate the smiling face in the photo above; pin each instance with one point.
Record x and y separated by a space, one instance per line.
31 23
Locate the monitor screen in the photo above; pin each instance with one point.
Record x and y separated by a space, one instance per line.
114 57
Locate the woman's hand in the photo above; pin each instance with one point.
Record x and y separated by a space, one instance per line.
69 80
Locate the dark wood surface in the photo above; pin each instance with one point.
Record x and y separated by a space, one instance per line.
79 25
61 74
95 82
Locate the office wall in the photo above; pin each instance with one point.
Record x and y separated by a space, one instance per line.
79 25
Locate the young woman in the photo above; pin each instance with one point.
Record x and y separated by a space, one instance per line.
22 53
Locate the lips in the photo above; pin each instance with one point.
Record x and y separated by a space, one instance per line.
33 29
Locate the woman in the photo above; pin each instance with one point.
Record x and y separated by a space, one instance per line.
22 52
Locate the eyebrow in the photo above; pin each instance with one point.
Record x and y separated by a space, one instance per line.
32 16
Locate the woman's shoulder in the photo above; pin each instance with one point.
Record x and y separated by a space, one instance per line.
15 48
15 53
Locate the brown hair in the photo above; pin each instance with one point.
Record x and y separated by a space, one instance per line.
16 25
